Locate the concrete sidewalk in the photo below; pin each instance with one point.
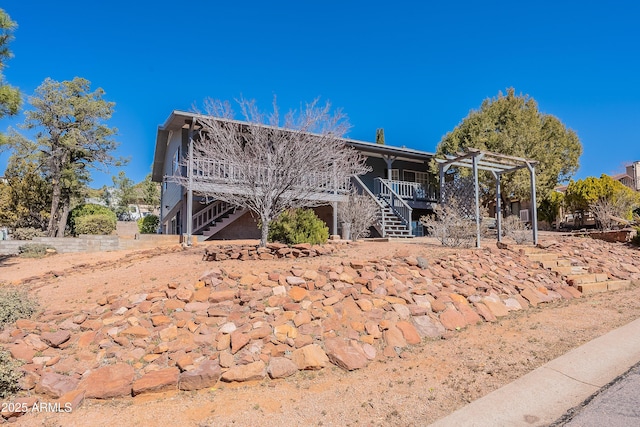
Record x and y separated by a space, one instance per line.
545 394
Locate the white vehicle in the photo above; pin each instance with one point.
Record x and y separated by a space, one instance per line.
133 214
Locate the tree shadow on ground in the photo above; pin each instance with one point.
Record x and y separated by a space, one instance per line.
7 260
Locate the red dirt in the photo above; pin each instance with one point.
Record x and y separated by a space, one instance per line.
429 381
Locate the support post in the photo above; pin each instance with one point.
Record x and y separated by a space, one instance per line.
389 161
534 205
161 206
498 206
441 176
477 199
190 185
334 227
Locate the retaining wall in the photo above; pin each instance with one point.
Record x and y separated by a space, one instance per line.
88 243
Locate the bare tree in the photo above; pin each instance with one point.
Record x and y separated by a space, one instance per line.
269 162
616 209
514 228
448 225
361 212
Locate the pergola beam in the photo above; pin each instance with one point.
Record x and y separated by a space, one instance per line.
497 164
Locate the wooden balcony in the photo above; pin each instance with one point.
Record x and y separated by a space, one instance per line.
410 191
220 177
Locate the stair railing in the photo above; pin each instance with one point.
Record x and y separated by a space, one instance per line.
210 214
365 190
397 204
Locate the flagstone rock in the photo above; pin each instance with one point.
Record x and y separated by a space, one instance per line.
295 281
402 310
56 339
194 307
452 319
22 351
497 308
341 353
185 295
108 382
512 304
310 357
484 311
220 296
530 296
409 332
281 367
136 331
428 327
470 316
205 375
34 341
252 371
238 341
160 320
393 337
297 293
72 400
155 381
55 385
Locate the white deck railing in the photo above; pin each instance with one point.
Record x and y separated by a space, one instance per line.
380 226
209 214
412 190
214 171
395 201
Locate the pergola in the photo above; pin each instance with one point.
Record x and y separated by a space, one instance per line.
497 164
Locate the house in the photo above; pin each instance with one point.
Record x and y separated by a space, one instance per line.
630 177
399 181
633 170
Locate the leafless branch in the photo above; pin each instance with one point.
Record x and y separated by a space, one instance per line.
269 163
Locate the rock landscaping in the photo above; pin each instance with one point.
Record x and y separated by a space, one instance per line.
271 251
246 327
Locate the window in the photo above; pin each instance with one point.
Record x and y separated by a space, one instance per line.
422 178
395 174
415 176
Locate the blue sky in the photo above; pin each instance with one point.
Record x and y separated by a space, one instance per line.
414 68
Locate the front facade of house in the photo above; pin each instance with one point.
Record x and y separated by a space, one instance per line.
399 182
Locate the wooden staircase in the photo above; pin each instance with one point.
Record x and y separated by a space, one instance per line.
575 275
222 222
388 222
394 227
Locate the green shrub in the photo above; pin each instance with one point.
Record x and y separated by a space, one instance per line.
95 224
34 250
10 375
298 226
27 233
86 210
148 224
15 304
636 238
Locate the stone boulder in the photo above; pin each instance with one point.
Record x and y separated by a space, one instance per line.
56 385
155 381
108 381
341 353
281 367
311 356
252 371
205 375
